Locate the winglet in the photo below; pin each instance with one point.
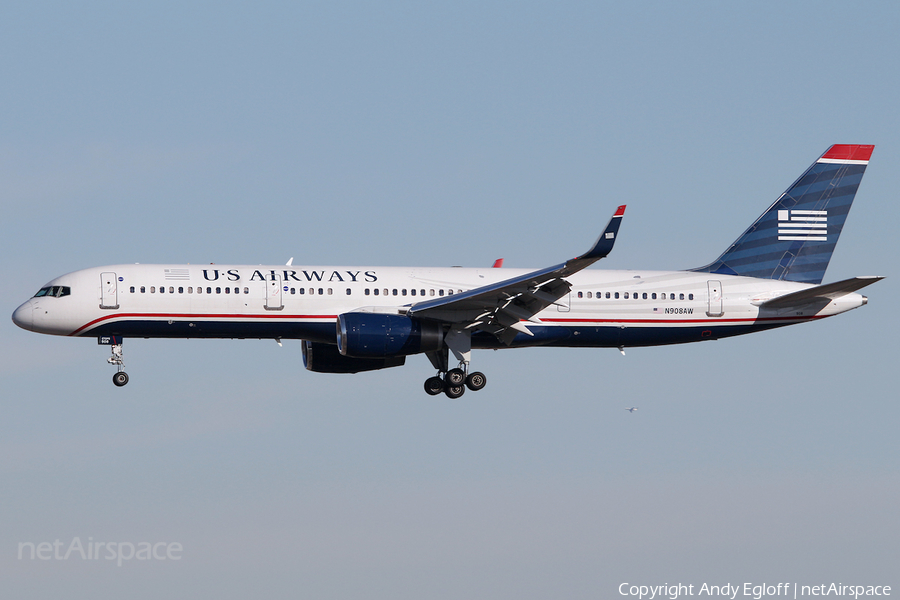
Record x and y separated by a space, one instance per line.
604 244
498 263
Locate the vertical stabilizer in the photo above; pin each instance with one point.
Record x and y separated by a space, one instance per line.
794 239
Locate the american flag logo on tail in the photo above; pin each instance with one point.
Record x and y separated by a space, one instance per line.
803 225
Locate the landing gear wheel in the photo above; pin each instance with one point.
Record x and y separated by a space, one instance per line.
434 386
454 391
476 381
455 377
120 378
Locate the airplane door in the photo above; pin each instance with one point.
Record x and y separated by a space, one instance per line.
564 303
715 299
109 297
273 293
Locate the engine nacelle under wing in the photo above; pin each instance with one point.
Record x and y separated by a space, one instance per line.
325 358
374 335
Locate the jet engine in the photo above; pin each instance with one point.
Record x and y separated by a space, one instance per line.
373 335
325 358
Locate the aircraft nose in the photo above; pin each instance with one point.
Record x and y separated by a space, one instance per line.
24 316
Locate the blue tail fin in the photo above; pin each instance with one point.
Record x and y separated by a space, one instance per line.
794 239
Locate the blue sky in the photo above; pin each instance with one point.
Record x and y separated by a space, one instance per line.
411 134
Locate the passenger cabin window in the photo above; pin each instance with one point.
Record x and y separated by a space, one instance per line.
152 289
132 289
143 289
348 291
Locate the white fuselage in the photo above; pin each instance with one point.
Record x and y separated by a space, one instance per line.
604 308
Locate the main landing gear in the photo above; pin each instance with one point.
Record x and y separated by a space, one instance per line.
121 377
454 382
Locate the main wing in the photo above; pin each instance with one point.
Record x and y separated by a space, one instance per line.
500 308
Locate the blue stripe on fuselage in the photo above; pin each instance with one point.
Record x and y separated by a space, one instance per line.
569 336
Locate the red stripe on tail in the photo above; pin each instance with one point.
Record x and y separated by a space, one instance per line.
849 152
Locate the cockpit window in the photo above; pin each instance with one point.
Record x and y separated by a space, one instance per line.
55 291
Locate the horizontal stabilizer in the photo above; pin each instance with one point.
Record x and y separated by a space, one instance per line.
828 291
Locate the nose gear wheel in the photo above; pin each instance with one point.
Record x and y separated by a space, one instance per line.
121 377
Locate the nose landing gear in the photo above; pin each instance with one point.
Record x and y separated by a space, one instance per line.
121 377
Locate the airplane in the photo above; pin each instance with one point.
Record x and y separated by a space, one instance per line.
632 409
364 318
